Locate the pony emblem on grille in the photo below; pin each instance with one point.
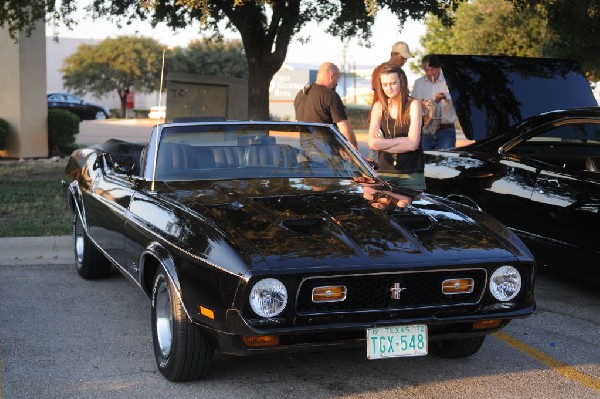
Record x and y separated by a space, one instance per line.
396 291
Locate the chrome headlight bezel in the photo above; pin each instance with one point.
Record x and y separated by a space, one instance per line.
506 283
268 297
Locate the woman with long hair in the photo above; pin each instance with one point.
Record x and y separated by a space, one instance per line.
395 130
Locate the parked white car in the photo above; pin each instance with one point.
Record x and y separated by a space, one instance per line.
157 112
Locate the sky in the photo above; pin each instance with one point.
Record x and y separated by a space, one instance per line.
321 48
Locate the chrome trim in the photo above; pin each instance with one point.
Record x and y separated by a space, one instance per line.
458 293
329 286
464 200
478 300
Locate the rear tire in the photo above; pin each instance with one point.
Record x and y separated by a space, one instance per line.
90 263
457 348
181 350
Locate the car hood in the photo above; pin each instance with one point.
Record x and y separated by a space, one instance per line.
492 93
299 223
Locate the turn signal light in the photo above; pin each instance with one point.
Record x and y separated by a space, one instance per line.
264 340
329 293
486 324
457 286
206 312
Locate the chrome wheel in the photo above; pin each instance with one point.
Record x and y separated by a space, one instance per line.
78 241
181 350
164 319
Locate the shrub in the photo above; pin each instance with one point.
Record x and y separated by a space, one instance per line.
62 128
358 116
4 133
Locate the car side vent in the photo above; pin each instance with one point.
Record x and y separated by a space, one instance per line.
303 225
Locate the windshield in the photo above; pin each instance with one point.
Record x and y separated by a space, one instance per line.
246 151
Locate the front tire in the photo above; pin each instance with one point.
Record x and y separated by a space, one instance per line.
90 263
181 350
457 348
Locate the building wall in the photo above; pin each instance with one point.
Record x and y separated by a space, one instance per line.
192 96
23 102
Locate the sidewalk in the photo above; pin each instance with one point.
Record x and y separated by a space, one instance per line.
56 250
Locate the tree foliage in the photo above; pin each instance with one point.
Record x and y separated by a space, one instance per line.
532 28
119 64
266 27
210 57
574 27
492 27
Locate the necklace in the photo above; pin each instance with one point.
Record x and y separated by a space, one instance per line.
387 125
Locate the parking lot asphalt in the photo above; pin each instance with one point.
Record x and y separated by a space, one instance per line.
55 250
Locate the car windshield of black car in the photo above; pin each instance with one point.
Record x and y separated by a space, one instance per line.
247 151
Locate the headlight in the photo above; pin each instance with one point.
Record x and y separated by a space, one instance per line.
505 283
268 297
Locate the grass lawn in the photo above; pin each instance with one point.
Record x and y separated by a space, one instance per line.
32 202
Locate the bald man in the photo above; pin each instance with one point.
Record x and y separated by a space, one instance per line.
319 102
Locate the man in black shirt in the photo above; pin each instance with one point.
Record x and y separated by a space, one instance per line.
319 102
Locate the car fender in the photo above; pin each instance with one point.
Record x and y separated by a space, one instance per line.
75 202
147 270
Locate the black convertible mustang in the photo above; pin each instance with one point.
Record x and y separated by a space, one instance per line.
264 236
536 160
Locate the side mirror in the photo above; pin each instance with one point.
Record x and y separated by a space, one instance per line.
124 165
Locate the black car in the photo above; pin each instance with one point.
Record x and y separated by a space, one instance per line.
535 163
70 102
254 237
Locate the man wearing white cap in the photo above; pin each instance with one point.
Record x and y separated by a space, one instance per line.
399 55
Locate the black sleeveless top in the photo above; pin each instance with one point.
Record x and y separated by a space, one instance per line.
407 162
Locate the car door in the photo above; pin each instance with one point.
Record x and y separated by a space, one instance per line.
565 201
108 210
77 106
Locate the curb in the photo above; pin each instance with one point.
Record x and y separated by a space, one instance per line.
36 250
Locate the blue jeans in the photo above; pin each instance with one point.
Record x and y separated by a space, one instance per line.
443 138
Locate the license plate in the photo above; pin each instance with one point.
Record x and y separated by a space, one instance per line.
396 341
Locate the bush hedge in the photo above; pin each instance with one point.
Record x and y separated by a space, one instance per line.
62 128
4 134
358 116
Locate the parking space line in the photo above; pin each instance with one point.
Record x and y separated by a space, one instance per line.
558 366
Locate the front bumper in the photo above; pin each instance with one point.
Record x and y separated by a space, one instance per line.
349 334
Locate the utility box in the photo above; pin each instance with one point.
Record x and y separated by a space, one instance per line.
201 96
283 89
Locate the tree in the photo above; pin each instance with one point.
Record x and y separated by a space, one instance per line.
492 27
210 57
266 27
532 28
122 64
574 26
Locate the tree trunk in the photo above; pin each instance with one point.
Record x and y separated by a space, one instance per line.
266 42
259 79
123 93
